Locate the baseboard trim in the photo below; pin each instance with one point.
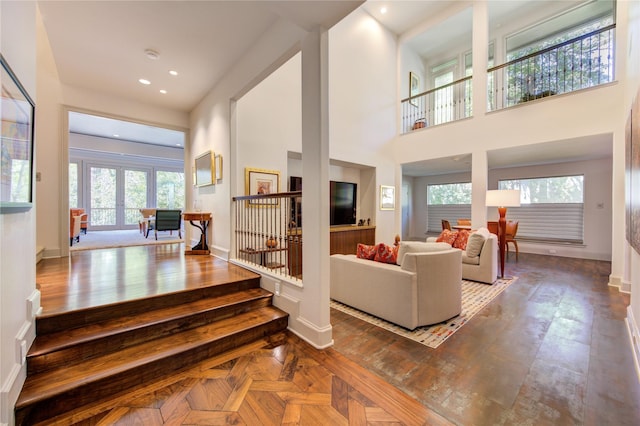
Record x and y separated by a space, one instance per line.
634 339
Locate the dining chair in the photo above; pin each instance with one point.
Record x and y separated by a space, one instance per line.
143 223
510 236
166 220
446 225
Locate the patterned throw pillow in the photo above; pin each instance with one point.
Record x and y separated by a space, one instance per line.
386 254
366 252
447 236
461 240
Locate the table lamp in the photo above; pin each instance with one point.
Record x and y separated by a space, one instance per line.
503 198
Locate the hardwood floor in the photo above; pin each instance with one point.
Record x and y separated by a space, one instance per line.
551 349
277 379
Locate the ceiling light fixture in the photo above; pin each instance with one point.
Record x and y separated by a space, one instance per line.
152 54
383 10
144 81
164 92
174 73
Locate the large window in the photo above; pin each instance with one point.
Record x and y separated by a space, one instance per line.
170 190
450 201
552 208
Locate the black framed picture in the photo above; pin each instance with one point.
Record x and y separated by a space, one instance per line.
16 143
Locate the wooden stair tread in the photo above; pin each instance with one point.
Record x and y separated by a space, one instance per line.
51 342
48 384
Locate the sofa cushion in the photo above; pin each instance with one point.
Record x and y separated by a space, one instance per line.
365 251
476 242
385 253
475 260
447 236
419 247
461 240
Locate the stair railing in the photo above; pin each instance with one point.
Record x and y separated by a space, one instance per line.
268 232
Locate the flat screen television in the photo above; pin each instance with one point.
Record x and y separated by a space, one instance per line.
342 203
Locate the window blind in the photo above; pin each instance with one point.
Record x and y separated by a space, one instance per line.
561 222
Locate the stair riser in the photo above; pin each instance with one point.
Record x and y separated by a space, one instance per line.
127 380
81 318
112 343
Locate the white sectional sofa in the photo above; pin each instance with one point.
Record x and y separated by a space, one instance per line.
425 289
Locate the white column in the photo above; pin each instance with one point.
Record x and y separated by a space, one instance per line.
479 162
314 306
480 46
479 179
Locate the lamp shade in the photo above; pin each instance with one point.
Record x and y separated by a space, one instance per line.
503 198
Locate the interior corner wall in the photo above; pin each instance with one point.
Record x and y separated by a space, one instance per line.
17 230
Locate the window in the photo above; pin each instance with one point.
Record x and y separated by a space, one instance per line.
552 208
170 190
73 186
449 201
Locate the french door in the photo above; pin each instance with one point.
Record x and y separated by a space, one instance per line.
116 194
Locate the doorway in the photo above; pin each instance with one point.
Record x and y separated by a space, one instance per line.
116 195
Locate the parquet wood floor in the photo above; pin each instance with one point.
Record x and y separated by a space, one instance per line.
270 382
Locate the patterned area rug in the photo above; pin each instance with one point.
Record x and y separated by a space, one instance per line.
475 296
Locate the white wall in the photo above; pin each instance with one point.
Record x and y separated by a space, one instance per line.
18 230
632 56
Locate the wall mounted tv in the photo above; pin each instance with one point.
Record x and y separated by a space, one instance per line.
342 203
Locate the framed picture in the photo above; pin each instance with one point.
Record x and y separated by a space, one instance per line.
205 169
262 182
414 87
16 143
218 167
387 197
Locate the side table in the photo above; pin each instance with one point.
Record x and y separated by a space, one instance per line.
204 218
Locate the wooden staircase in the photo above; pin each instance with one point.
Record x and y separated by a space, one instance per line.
82 356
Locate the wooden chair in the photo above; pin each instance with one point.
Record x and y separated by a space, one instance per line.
510 236
446 225
75 222
84 218
166 220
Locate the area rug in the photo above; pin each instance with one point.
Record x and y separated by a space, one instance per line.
475 296
131 237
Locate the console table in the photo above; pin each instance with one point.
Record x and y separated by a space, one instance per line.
204 218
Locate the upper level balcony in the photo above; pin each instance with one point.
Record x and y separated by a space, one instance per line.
575 64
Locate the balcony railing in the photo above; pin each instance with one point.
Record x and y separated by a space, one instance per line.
441 105
268 232
575 64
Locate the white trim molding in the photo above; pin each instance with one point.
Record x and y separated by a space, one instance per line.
634 339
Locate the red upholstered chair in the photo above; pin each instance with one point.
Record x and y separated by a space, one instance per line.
83 218
510 234
75 221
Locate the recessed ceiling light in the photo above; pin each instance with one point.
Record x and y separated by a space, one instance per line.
164 92
144 81
383 10
172 72
178 144
116 136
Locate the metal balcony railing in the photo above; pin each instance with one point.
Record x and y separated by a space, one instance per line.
268 232
437 106
575 64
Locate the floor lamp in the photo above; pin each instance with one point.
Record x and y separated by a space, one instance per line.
503 198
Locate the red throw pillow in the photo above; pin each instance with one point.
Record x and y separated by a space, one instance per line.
447 236
461 239
386 254
366 252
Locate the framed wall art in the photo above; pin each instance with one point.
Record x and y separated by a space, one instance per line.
387 197
16 143
218 167
205 169
262 182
